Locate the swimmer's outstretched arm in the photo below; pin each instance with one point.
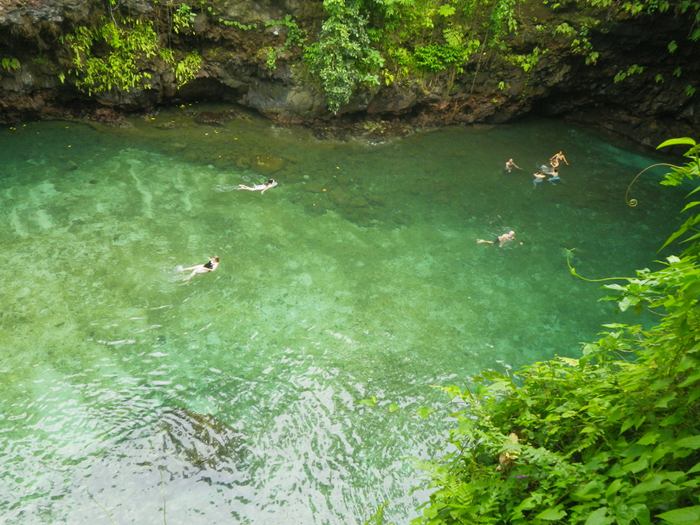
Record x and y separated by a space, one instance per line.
191 267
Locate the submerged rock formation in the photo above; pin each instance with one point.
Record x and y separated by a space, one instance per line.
249 53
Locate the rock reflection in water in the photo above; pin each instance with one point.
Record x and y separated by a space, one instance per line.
201 439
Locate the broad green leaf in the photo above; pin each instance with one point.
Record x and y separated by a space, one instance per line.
690 205
599 517
636 466
655 483
552 514
613 487
692 442
683 516
675 142
649 438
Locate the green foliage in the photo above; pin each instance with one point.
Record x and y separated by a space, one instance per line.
270 58
634 69
613 437
120 53
528 62
236 24
123 66
187 68
10 63
342 58
183 18
295 37
378 517
435 57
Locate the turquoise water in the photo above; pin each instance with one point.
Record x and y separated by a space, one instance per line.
286 386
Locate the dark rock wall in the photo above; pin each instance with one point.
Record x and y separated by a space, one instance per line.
233 70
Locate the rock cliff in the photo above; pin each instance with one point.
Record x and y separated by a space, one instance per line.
244 60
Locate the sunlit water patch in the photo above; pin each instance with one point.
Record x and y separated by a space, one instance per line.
297 382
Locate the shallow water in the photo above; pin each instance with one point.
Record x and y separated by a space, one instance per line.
287 386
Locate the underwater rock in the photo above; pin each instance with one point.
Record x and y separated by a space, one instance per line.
166 125
201 439
343 198
268 163
212 118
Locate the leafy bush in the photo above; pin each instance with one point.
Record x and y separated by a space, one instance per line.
342 58
613 437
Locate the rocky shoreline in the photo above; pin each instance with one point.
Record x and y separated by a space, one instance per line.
232 71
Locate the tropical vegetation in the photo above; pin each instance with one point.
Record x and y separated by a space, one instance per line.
612 437
359 45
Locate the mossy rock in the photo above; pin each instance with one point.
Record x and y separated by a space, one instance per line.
268 163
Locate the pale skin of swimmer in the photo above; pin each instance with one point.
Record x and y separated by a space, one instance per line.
501 239
206 267
262 188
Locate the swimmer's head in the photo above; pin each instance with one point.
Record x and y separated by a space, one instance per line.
215 258
270 181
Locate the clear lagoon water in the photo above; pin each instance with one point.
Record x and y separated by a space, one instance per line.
296 384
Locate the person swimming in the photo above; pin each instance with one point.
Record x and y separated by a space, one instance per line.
537 178
554 176
558 157
209 266
510 164
501 239
262 188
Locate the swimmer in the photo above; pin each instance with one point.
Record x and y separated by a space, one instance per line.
262 188
556 158
538 178
501 239
554 176
208 266
510 164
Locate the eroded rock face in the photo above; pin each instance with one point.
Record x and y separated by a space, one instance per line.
232 37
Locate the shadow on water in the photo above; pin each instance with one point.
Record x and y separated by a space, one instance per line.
287 386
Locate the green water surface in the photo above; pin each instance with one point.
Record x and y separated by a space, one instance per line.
285 387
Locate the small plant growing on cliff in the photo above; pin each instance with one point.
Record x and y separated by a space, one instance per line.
10 63
528 62
187 68
183 18
634 69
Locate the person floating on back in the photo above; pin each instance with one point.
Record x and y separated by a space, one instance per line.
510 164
501 239
262 188
207 267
